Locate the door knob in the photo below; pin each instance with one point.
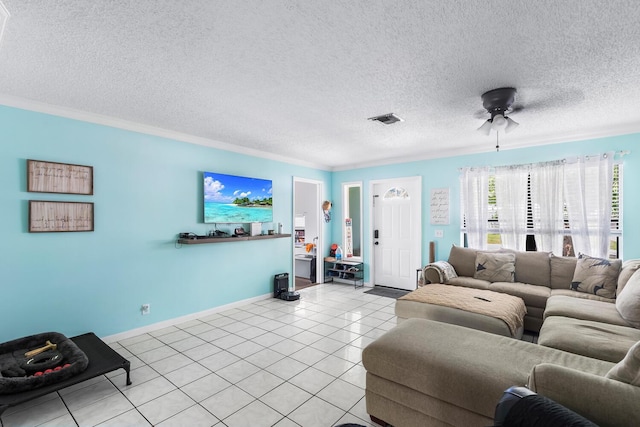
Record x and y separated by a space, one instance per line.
375 243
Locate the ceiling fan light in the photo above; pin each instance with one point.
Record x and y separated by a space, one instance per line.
499 123
511 125
486 127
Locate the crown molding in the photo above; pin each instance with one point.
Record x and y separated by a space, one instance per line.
84 116
618 130
69 113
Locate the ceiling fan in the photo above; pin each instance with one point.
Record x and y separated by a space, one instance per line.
498 103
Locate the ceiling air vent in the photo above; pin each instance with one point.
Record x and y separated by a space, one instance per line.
387 119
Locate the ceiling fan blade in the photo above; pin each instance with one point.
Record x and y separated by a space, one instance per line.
481 114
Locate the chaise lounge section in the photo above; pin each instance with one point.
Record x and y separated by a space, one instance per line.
433 373
429 373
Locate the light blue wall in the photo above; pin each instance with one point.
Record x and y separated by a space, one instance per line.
146 190
440 173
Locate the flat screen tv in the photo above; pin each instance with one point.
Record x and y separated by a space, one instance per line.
236 199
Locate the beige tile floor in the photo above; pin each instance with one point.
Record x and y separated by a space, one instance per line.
269 363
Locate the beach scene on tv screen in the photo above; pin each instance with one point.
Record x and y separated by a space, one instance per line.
237 199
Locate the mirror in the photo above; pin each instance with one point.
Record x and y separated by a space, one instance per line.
352 230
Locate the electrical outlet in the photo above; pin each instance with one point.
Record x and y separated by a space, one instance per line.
145 309
439 233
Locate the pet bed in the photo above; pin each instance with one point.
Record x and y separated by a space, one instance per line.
98 358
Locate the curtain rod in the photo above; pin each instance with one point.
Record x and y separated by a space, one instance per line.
619 153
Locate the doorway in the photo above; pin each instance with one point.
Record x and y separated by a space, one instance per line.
307 224
396 212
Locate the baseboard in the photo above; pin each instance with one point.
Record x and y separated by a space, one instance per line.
177 320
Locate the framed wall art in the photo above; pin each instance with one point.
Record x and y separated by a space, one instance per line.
52 177
45 216
440 206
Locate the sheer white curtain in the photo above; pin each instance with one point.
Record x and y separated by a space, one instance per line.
511 201
588 188
547 202
474 194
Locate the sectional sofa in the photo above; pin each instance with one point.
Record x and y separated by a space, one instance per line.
533 276
429 373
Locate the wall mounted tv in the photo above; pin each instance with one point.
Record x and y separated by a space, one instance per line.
236 199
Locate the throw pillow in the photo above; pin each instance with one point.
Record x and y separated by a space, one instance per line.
628 302
628 369
439 272
629 267
495 267
597 276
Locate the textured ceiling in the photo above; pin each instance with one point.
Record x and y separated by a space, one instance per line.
298 79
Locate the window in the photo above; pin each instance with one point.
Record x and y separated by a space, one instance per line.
537 226
352 219
396 193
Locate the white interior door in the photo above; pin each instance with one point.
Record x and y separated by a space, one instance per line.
397 232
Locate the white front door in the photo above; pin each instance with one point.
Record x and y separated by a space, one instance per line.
397 232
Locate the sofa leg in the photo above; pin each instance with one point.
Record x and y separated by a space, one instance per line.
379 421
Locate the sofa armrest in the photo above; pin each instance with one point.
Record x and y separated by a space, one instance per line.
604 401
437 272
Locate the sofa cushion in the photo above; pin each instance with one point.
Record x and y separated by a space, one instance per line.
532 267
596 276
562 269
628 369
495 267
604 401
463 260
532 295
628 302
598 340
469 282
580 308
628 268
576 294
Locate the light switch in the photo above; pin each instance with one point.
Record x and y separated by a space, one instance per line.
439 233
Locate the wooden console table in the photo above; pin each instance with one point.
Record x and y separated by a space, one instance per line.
201 241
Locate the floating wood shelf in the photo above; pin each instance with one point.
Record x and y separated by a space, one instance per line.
230 239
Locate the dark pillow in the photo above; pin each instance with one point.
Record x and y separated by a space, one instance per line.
596 276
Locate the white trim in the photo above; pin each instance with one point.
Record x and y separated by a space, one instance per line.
320 227
444 152
177 320
40 107
114 122
345 199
